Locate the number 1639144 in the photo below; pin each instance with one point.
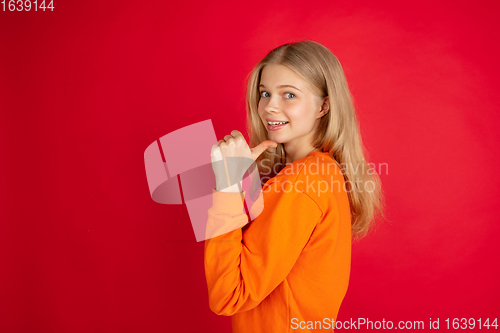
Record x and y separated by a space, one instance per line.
27 5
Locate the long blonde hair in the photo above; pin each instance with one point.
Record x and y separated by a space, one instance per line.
338 132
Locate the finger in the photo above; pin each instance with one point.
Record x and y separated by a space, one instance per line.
238 137
237 134
227 137
260 148
220 141
216 154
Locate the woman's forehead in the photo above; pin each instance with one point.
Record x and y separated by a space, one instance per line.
276 71
278 76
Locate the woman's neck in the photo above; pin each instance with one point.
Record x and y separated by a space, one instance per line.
292 156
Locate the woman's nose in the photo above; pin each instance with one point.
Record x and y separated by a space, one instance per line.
272 106
271 109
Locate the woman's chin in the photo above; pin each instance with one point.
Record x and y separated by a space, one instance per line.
275 139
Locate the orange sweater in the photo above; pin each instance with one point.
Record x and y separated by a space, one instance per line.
288 269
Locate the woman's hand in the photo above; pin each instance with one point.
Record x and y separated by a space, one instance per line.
232 157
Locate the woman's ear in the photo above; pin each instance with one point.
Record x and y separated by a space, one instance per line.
325 107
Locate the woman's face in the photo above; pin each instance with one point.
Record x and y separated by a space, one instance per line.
286 97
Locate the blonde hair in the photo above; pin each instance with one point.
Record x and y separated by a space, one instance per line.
338 132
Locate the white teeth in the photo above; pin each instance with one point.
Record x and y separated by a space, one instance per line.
273 123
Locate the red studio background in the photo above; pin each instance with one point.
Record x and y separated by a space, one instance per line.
85 88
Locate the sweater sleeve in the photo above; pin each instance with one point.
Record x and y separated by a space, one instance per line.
242 269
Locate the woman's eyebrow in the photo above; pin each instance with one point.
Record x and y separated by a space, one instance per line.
282 86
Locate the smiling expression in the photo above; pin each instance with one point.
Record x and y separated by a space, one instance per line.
286 97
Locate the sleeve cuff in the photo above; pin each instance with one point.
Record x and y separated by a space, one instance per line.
228 202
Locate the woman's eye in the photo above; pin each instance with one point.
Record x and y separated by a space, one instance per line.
265 92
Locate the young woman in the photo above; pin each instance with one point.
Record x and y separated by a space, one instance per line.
288 269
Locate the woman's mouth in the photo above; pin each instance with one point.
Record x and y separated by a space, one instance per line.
276 125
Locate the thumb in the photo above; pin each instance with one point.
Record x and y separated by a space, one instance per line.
261 147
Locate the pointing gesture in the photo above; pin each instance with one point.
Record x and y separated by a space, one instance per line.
232 157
